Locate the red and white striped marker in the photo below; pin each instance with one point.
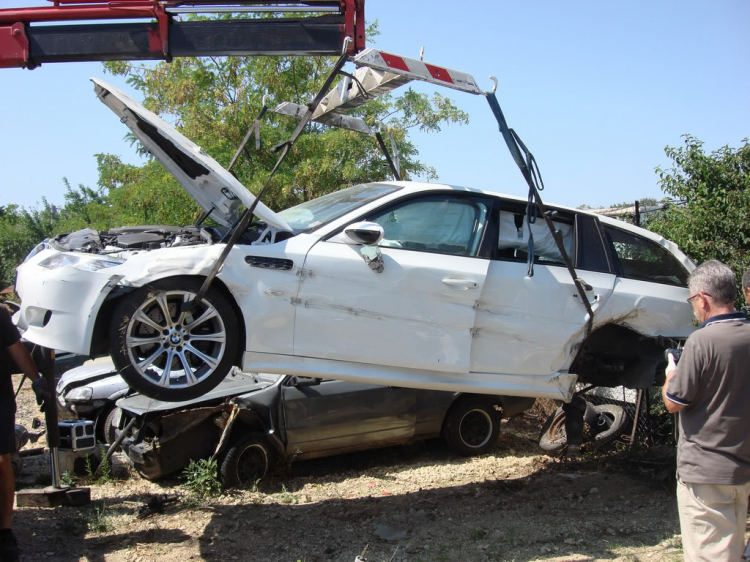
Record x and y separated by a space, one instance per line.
418 70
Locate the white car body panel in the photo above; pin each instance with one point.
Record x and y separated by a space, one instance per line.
266 296
650 309
73 305
407 316
557 386
529 325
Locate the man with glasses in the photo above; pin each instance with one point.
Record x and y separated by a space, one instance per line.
710 388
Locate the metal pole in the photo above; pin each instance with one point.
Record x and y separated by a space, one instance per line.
394 169
637 410
247 9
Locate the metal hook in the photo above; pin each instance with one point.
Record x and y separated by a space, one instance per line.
345 48
265 98
494 87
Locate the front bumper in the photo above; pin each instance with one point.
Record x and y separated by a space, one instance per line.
59 306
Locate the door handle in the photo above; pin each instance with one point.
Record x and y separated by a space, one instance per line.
462 284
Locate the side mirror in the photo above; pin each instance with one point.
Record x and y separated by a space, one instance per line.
367 233
305 381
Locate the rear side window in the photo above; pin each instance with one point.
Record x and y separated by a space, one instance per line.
513 239
645 260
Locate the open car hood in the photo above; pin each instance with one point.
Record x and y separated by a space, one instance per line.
205 180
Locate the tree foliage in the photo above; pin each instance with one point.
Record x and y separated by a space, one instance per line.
714 222
214 101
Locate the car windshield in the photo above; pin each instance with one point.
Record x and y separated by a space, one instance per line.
312 214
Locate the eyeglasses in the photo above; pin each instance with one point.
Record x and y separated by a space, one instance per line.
691 297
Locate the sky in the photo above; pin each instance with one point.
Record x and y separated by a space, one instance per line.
596 90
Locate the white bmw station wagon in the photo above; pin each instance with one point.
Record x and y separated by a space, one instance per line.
398 283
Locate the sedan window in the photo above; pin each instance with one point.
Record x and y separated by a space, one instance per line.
317 212
438 223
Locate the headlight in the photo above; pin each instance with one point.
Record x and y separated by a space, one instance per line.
84 263
38 248
80 394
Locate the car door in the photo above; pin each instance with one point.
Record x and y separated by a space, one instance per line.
331 416
418 313
530 325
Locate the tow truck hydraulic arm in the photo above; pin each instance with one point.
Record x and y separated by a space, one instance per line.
320 29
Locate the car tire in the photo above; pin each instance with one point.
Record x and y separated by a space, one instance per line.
152 342
247 461
553 439
610 425
472 427
107 431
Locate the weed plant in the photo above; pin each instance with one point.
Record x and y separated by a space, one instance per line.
201 479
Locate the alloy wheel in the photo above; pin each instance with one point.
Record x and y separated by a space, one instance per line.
173 347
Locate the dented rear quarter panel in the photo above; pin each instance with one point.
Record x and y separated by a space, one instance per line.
651 309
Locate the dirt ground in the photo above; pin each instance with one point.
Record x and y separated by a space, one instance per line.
417 503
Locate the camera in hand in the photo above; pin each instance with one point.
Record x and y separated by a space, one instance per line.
676 353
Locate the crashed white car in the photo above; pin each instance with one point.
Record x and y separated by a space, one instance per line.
394 283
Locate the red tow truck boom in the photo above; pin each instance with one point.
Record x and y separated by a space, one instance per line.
26 45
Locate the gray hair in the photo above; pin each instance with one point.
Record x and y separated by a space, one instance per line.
746 280
715 279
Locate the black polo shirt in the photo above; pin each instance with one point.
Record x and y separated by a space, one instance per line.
712 381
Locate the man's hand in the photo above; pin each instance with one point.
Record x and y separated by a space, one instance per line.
39 386
671 367
672 407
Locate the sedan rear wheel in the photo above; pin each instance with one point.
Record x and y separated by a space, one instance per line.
168 350
472 427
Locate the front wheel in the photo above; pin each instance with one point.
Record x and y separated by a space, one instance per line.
472 427
168 351
247 461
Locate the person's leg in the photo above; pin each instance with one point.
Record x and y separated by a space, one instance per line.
7 491
8 546
742 504
685 503
708 520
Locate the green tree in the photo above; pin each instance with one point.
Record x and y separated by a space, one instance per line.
20 231
714 222
214 100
